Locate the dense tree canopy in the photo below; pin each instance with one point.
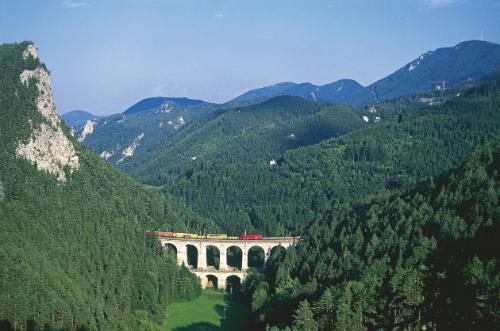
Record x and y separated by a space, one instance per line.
243 135
423 259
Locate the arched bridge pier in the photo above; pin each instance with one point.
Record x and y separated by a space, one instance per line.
233 256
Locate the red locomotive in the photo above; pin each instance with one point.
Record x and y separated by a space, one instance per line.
250 236
164 234
159 233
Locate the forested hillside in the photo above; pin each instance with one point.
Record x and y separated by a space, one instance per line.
395 154
73 253
244 135
427 259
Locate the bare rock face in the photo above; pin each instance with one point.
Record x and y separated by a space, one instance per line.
31 49
165 108
129 151
179 122
106 155
49 147
44 102
88 128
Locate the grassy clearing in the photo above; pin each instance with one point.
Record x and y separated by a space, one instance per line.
210 312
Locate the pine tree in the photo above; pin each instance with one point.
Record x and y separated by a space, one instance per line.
349 310
304 318
325 309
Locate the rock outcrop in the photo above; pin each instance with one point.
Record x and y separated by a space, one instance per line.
178 122
129 151
106 155
30 50
48 147
88 128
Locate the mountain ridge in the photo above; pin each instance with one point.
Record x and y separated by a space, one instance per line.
445 66
469 59
78 117
343 91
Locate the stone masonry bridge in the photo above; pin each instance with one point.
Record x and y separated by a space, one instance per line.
219 276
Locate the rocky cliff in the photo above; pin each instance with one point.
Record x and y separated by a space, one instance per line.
48 147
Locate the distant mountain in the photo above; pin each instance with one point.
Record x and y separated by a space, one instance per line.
147 123
345 91
266 92
156 102
78 117
467 61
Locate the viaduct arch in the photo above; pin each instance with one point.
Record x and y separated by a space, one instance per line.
207 273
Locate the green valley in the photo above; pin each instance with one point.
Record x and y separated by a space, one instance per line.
213 310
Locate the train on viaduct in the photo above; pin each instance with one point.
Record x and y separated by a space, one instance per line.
218 275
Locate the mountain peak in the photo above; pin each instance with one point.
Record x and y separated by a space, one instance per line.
31 49
155 102
284 84
474 42
78 117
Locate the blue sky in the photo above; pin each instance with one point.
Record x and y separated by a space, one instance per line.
106 55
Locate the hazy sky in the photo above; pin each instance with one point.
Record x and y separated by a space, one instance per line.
106 55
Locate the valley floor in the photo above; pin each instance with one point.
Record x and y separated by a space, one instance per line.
210 312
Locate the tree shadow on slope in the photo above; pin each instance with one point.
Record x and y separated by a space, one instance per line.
234 315
200 326
31 325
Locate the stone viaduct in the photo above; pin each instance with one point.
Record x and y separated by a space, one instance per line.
220 275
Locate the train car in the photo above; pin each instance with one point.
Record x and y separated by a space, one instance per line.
181 235
250 236
187 235
233 238
164 234
216 236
